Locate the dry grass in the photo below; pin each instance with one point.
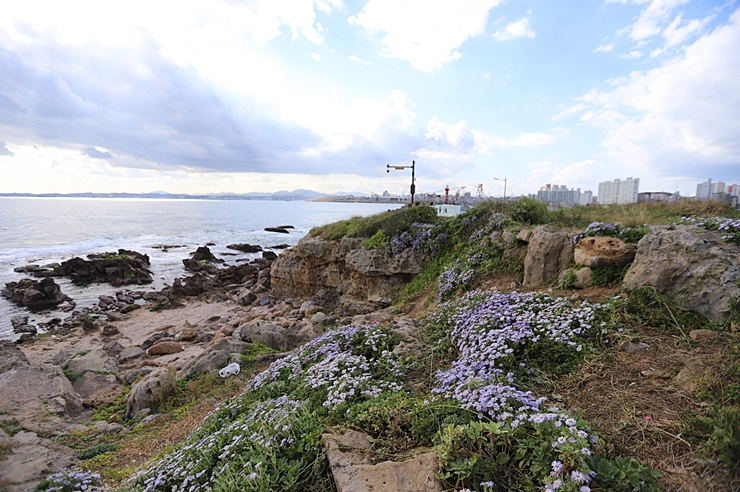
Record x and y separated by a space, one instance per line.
646 416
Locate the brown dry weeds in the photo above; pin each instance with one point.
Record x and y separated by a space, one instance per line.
636 403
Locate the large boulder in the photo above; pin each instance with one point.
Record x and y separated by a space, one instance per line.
90 383
595 252
31 459
264 332
209 361
34 294
11 356
150 391
40 399
93 361
342 269
549 251
697 267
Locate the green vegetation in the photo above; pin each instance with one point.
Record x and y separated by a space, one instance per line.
391 223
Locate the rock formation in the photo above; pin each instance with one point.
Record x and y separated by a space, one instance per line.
549 251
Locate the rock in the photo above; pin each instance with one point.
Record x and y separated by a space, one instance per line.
104 396
18 322
595 252
11 356
90 383
347 456
697 267
199 266
280 246
383 317
112 348
549 252
341 268
207 362
95 361
129 308
690 376
134 374
34 294
109 330
150 391
703 334
269 255
405 349
656 374
524 235
246 298
264 332
635 347
32 458
155 337
230 345
508 237
276 229
306 332
107 427
318 318
39 399
203 253
122 268
186 335
245 248
583 278
406 329
131 354
305 307
164 347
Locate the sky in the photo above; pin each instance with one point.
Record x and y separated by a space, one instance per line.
264 95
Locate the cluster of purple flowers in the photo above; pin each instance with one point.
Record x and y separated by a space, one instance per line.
73 479
334 362
728 228
560 479
459 276
489 329
265 426
421 238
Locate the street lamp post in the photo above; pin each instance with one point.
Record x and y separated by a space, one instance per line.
504 180
413 179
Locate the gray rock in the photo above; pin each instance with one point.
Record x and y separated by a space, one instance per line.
134 374
264 332
11 356
155 338
524 235
508 237
583 278
230 345
406 329
19 321
246 298
32 459
549 251
318 318
40 398
90 383
207 362
697 267
635 347
95 360
131 354
150 391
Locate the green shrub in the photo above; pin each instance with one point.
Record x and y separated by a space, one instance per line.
530 212
93 451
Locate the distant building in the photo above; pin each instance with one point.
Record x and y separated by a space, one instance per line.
619 192
657 196
587 197
448 210
558 196
718 191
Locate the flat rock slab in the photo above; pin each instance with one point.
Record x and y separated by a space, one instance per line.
31 459
347 455
38 398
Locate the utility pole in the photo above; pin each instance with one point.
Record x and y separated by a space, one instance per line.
504 180
413 179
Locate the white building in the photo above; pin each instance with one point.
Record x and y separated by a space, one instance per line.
619 192
557 196
587 197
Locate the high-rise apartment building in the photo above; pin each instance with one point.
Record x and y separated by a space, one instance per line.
619 192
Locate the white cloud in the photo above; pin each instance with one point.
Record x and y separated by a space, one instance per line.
632 55
316 56
604 48
680 118
358 60
518 29
426 34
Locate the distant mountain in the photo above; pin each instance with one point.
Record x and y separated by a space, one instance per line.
253 195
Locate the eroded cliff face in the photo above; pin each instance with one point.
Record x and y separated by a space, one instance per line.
342 274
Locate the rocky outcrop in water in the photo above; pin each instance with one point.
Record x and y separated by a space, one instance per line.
34 294
122 268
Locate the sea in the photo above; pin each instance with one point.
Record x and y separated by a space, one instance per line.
40 230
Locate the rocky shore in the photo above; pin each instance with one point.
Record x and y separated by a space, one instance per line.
50 385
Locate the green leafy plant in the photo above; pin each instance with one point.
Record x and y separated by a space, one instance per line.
93 451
